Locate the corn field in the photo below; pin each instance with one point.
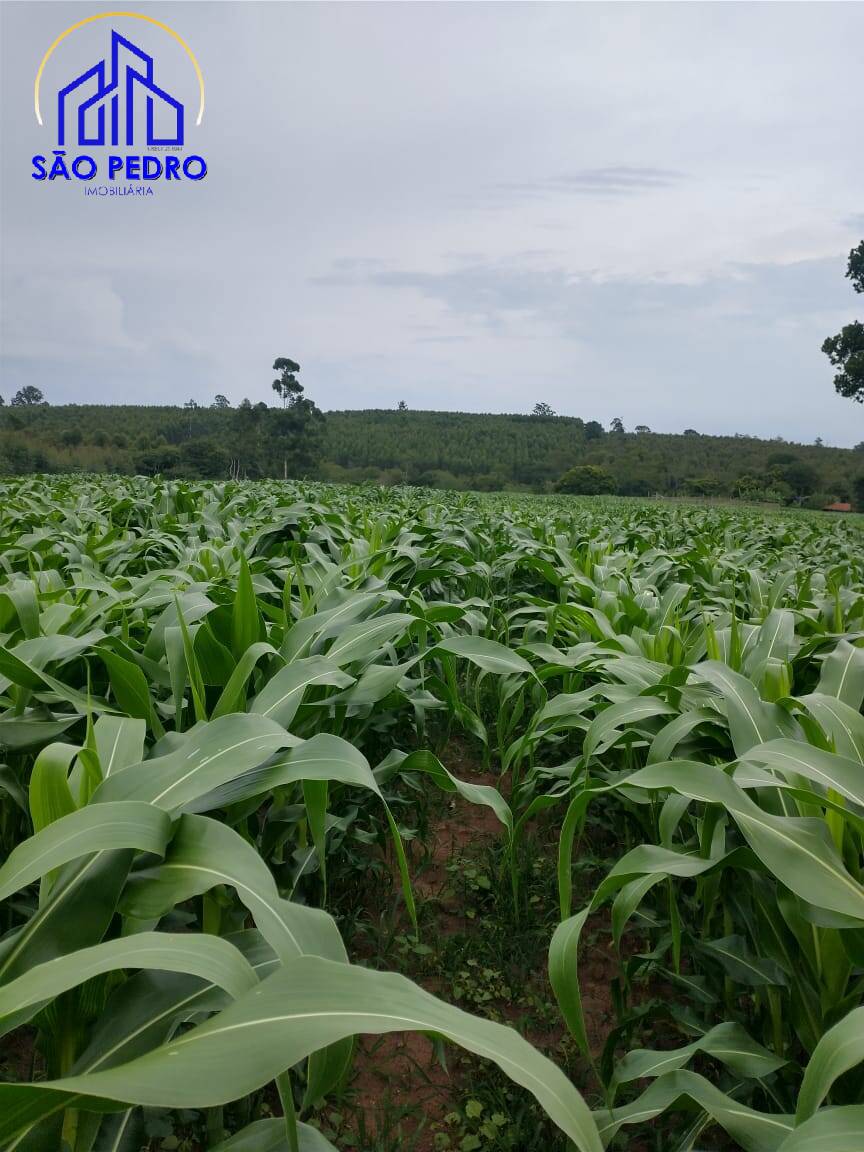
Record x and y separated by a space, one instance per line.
212 694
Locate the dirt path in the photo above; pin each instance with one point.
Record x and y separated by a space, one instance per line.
400 1092
399 1086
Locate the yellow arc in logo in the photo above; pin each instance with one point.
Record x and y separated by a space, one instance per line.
133 16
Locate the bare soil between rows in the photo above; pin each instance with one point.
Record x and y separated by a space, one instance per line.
401 1074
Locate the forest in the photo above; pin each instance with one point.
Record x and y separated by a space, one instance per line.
452 450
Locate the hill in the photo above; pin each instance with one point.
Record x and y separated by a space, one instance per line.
439 449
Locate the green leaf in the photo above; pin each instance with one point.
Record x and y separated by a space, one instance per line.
283 694
751 720
269 1136
326 1070
119 742
603 731
358 642
207 957
832 1130
22 595
30 730
310 1004
670 735
793 758
245 620
798 852
841 1048
145 1010
210 755
130 687
11 785
28 675
728 1043
486 654
844 725
739 962
375 683
315 796
753 1131
96 828
842 675
203 854
75 914
49 793
564 974
233 695
429 764
196 681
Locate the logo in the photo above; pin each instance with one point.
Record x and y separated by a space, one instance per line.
125 78
121 101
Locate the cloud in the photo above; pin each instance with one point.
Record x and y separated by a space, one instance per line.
67 317
630 211
613 181
497 293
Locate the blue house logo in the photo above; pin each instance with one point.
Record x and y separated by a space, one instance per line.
117 104
102 103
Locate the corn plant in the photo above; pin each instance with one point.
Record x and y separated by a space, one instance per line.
205 689
120 846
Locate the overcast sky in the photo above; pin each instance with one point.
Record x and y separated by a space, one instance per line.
634 210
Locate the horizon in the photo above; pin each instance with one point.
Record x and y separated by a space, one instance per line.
648 217
704 434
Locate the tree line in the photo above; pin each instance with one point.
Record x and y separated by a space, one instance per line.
436 449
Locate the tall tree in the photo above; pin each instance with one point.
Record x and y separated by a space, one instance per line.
541 408
846 349
191 407
220 401
299 426
27 396
245 428
287 386
855 267
299 436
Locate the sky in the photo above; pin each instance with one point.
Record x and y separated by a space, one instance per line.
624 210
